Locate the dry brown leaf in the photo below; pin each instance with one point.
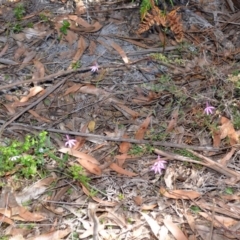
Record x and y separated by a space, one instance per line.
231 197
153 224
148 207
80 8
79 21
124 146
15 231
38 117
92 47
218 220
78 154
139 44
138 200
227 129
173 122
53 235
28 216
80 140
224 161
121 159
87 161
11 98
35 190
216 138
94 27
179 194
11 110
142 129
204 230
32 92
29 56
102 202
71 37
91 126
82 45
6 212
129 111
120 51
90 89
191 221
40 70
5 219
36 32
19 52
20 37
122 171
3 51
91 167
174 229
72 89
17 237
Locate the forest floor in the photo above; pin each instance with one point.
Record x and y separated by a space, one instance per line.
117 128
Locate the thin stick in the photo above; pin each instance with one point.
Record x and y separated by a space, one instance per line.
48 91
101 137
206 162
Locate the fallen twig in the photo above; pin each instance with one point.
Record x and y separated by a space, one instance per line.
48 91
106 138
206 162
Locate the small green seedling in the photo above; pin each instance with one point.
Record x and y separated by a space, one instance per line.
19 11
43 17
30 25
121 196
93 192
77 172
65 27
136 150
75 236
76 65
229 191
16 28
195 209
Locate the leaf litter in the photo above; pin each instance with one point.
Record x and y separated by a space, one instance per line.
127 84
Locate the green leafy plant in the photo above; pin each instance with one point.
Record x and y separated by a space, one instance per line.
24 158
30 25
65 27
43 17
74 236
76 65
136 150
19 11
77 172
4 238
121 196
61 161
144 8
93 192
186 153
16 28
167 59
195 209
229 191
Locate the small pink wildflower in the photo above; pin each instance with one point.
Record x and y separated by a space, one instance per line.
209 109
159 166
70 142
94 68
